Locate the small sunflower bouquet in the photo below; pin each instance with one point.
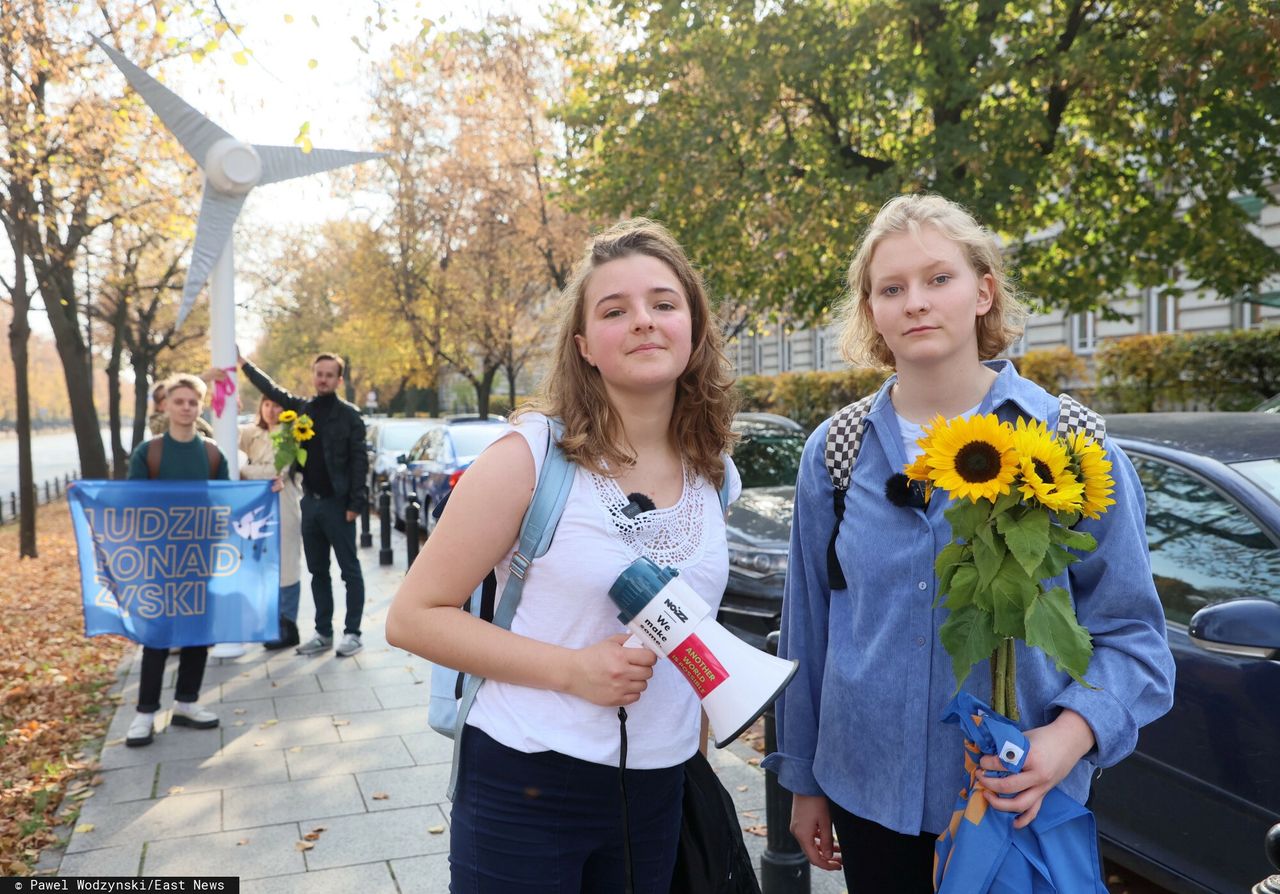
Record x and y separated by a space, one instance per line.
1017 493
294 431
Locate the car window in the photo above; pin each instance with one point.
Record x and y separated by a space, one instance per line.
768 460
397 437
420 448
1204 548
470 440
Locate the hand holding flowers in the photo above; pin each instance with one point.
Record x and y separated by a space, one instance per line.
294 430
1018 492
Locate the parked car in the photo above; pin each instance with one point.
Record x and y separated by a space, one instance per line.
1191 806
388 438
435 462
759 523
1270 405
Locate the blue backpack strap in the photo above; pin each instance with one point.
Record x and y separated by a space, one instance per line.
724 488
539 526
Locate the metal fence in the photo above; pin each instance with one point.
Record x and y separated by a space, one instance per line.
44 492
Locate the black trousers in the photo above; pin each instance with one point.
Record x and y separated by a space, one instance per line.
878 860
325 527
191 662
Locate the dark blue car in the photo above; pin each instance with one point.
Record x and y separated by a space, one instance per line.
1191 806
435 463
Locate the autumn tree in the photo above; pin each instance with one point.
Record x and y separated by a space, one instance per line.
1105 142
478 235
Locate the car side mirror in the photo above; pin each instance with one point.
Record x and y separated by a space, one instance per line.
401 459
1247 628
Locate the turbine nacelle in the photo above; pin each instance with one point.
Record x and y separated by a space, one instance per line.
232 167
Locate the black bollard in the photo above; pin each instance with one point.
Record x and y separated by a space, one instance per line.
47 497
13 502
411 511
366 536
784 869
1271 843
384 521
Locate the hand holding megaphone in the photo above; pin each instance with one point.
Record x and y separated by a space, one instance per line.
735 682
613 672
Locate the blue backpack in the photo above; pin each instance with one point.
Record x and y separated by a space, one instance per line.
452 692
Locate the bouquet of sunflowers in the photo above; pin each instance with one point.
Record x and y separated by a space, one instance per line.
293 432
1018 492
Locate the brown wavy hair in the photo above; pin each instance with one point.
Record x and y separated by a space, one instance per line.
998 328
574 392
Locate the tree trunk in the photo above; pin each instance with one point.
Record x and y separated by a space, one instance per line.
58 290
19 333
119 459
141 394
484 386
512 372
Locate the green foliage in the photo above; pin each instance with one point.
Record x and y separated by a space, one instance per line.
807 397
1054 369
1141 373
1052 627
1103 142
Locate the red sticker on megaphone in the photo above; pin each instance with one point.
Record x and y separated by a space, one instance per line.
699 665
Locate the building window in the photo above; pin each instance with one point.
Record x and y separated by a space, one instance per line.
1162 312
1084 332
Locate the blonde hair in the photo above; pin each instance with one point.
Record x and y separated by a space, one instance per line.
998 328
574 392
186 380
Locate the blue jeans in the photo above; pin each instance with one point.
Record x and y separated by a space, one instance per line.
546 823
289 597
325 526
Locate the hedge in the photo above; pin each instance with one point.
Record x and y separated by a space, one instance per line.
807 397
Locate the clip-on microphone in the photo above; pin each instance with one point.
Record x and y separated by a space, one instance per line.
636 504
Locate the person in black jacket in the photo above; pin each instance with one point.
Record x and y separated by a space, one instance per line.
334 491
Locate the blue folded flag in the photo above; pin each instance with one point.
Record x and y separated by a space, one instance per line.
178 563
980 851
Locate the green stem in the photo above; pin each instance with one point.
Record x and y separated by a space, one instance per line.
1000 662
1011 681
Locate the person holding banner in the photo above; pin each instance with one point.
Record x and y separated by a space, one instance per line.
180 454
255 442
640 382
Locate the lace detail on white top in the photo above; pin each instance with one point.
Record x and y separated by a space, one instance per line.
670 536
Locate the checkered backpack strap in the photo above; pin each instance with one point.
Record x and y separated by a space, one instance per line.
1075 418
844 440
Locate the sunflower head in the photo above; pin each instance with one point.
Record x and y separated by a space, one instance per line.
1090 464
1044 468
971 458
288 416
303 433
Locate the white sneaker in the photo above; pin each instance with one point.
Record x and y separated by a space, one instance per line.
227 650
193 715
141 730
350 645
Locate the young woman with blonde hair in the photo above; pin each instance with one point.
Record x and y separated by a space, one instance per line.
860 742
640 383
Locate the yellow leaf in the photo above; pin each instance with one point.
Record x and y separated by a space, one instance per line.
288 19
176 789
303 845
241 57
436 830
85 827
161 27
242 842
312 63
380 796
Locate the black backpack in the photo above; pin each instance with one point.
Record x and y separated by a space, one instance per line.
712 857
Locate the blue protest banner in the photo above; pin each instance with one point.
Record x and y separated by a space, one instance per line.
178 563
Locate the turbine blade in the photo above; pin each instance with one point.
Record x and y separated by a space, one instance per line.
194 131
286 162
218 213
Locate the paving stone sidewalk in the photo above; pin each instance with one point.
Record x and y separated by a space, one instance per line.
305 743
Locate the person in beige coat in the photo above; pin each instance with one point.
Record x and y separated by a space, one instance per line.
255 442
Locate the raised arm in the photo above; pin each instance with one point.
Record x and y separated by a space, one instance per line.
269 388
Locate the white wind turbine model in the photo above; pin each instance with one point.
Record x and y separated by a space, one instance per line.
231 169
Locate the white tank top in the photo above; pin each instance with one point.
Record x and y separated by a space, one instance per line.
566 601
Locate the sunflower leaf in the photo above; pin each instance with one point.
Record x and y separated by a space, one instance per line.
1056 560
965 516
1052 626
964 584
1079 540
1012 593
1027 536
952 555
968 639
302 456
1005 502
988 553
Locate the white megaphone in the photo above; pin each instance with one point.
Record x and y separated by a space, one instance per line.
735 681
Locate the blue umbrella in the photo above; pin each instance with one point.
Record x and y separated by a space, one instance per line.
980 851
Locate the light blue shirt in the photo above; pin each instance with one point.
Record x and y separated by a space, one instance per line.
861 722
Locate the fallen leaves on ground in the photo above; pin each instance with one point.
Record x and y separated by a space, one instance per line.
53 683
380 796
